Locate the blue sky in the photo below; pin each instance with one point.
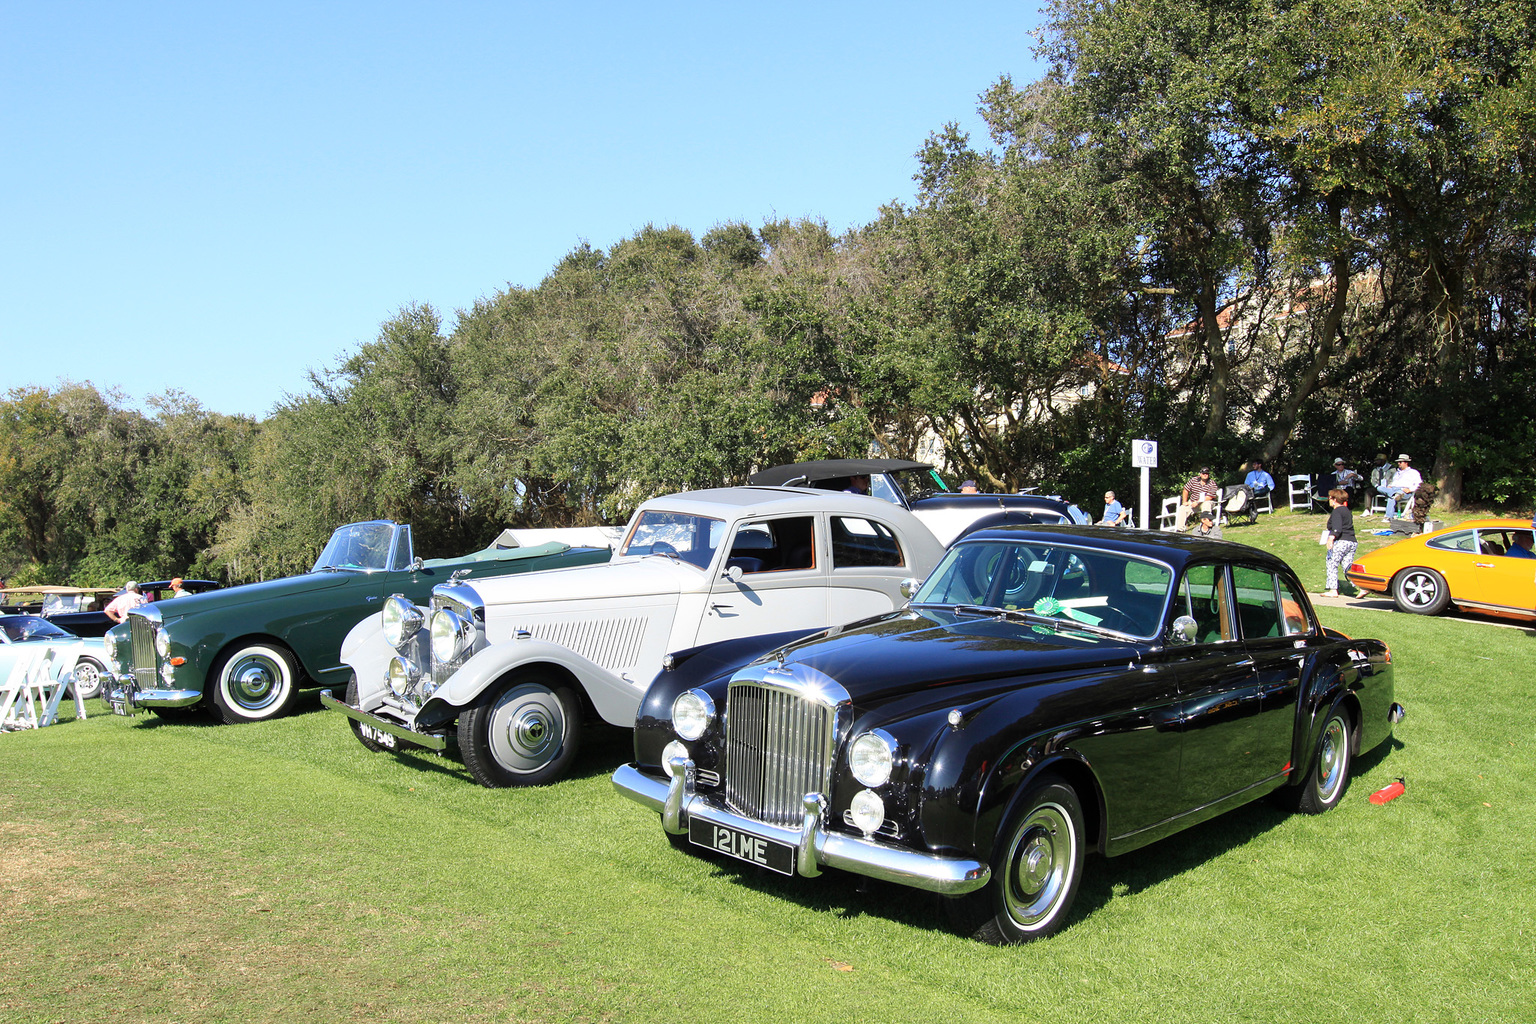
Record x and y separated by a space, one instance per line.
217 198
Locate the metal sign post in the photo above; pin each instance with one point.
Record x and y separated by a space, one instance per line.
1144 454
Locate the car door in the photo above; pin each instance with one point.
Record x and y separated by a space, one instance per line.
1219 696
868 565
1489 579
783 582
1279 634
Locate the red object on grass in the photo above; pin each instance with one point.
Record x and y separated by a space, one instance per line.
1386 793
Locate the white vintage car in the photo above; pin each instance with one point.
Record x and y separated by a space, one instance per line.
508 667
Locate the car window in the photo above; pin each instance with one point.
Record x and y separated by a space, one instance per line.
1293 609
1097 587
863 542
1203 598
692 539
1464 540
1266 604
880 486
774 545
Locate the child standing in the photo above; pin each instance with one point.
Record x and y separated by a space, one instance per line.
1341 538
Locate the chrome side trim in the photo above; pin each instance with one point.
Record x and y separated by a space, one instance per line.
422 739
815 847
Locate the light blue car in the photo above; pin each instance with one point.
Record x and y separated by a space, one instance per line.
23 636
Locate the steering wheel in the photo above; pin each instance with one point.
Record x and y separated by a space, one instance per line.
1114 618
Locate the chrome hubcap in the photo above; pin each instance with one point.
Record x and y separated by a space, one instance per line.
1039 865
1419 590
527 728
1332 760
254 682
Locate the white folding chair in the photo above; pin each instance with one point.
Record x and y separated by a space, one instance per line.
1300 491
1264 502
25 690
1168 515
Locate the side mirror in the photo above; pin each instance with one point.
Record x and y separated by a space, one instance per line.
1183 631
417 564
733 573
909 587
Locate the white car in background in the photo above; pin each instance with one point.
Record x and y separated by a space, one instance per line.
508 667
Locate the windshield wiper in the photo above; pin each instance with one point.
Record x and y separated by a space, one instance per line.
1035 618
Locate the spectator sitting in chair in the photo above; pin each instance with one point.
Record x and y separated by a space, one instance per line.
1258 481
1405 481
1341 479
1200 495
1114 512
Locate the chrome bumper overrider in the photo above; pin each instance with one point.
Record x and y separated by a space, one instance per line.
127 699
815 847
421 739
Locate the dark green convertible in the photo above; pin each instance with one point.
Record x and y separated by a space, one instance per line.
246 651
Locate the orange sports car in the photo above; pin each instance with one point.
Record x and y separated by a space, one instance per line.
1481 565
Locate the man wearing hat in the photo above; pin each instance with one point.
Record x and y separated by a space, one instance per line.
1200 494
1405 481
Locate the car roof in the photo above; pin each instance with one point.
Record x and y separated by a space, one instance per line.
1487 524
733 502
1174 548
827 469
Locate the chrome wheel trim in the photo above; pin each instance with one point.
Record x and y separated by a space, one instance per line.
1039 866
87 678
1419 589
527 728
254 681
1332 760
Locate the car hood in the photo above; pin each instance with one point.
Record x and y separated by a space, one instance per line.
641 577
928 651
246 593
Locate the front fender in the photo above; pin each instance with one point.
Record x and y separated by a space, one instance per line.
366 651
614 697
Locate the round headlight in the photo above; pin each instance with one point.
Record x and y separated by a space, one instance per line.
867 811
451 634
401 620
691 714
402 676
162 643
870 757
671 750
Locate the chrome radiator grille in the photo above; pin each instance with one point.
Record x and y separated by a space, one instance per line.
778 748
146 672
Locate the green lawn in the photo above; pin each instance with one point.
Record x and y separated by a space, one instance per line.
160 872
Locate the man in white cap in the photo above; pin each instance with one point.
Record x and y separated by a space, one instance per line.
1405 481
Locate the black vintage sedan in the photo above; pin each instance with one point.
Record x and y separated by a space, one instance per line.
1049 691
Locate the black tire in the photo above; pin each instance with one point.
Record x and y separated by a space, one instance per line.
1327 770
360 730
254 682
1421 591
89 681
524 731
1036 866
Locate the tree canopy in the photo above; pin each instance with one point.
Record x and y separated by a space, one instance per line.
1287 229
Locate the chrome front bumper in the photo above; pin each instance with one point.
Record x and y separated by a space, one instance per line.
815 847
431 741
126 698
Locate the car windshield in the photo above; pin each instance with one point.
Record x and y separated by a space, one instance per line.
60 604
688 538
19 628
358 546
1096 588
